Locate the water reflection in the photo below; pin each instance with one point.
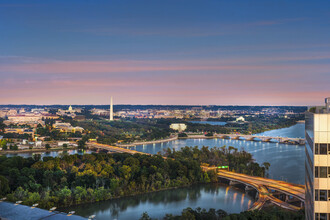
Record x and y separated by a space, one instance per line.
157 204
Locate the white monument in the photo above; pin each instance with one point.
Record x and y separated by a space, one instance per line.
111 109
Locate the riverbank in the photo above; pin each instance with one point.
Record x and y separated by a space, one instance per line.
36 150
170 201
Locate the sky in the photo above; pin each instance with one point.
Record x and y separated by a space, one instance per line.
165 52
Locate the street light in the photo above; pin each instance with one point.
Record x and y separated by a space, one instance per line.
71 213
52 209
18 202
34 205
91 217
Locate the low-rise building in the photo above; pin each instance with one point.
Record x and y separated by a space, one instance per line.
67 127
20 131
178 126
240 119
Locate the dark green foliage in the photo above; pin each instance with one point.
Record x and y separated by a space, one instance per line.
180 135
209 134
126 131
238 161
269 214
13 147
77 179
212 214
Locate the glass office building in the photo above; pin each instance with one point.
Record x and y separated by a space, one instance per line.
317 162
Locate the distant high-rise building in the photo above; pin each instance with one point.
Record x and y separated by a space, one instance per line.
111 109
317 163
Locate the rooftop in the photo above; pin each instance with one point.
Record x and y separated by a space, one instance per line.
12 211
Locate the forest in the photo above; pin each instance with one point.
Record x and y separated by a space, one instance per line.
202 214
238 161
76 179
126 131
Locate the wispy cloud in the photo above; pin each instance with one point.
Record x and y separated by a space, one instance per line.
276 22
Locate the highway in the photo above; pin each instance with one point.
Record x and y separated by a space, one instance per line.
114 148
262 185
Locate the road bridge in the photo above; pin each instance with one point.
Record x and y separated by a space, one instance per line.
269 190
277 192
282 140
114 149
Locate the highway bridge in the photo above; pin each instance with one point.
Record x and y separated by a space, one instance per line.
286 195
114 149
282 140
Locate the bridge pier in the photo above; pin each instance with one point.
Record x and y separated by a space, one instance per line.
249 188
234 183
302 204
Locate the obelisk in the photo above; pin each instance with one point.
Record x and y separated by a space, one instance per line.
111 109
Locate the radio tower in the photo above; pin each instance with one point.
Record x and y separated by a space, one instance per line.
111 109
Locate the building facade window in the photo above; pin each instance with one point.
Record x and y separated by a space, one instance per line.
322 149
322 172
322 216
323 195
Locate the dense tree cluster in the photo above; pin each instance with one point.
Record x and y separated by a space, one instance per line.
263 123
54 134
77 179
238 161
253 125
212 214
126 131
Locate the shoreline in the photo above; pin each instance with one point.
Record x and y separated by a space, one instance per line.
198 136
3 152
65 209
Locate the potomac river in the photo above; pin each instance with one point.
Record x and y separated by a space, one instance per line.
287 163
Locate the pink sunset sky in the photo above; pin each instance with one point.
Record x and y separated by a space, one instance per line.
167 53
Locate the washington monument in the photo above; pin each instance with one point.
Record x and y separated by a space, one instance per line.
111 109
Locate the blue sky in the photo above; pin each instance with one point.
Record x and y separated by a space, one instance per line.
165 52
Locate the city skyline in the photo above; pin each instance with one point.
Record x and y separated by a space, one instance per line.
173 53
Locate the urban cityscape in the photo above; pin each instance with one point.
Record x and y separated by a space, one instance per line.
173 110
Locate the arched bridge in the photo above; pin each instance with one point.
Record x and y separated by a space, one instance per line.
282 140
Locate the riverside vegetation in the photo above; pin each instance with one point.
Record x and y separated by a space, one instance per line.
76 179
212 214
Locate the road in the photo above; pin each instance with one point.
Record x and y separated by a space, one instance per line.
262 185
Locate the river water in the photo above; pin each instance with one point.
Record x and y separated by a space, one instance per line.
287 163
221 123
173 201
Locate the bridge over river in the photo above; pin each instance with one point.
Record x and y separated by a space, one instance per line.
281 140
286 195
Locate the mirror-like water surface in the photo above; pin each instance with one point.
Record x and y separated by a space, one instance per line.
173 201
